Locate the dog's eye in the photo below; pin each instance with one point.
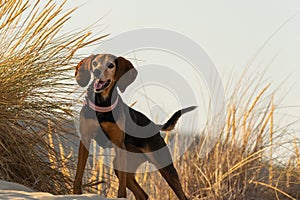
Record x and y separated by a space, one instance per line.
94 63
110 66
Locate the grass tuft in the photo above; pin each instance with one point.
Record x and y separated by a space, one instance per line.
36 83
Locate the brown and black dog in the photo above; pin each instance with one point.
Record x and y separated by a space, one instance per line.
108 120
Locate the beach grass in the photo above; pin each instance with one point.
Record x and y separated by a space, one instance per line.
36 70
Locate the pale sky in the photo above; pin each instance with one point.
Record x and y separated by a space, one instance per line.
230 32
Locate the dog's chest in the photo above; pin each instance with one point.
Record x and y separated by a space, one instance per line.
105 117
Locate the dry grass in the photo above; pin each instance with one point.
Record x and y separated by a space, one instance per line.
247 160
36 62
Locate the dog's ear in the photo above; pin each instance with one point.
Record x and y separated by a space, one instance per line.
83 71
125 74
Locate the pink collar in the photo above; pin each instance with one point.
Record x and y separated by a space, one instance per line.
99 108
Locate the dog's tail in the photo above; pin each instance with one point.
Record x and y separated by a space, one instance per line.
170 124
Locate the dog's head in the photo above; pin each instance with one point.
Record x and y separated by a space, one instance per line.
107 70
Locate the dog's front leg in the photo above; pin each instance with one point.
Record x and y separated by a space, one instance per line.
120 163
117 137
82 158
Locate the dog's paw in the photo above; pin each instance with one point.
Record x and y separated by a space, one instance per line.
77 190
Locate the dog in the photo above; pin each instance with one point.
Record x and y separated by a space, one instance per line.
107 119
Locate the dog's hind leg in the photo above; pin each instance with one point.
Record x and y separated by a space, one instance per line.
170 175
134 161
160 156
133 185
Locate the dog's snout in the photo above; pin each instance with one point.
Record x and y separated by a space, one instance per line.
97 72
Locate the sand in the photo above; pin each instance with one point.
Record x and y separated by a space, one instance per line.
10 190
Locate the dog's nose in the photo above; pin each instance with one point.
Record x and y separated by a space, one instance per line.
97 72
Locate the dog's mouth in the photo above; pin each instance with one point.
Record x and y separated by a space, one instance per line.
99 85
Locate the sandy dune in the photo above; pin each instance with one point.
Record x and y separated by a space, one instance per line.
16 191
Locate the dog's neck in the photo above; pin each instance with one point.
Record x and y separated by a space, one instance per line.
100 100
